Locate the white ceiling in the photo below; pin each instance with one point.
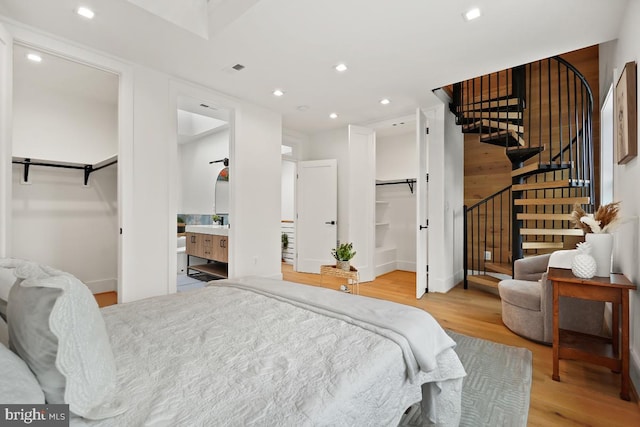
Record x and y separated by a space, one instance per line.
400 49
66 77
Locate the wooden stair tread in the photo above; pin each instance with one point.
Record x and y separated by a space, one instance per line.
562 183
484 280
543 217
534 168
481 114
512 138
552 201
491 124
551 232
521 153
542 245
499 103
499 267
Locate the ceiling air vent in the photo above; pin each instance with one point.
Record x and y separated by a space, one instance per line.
238 67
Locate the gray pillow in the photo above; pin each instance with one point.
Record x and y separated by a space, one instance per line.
56 327
17 383
4 334
7 280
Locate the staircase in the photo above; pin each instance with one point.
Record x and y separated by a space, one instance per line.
541 113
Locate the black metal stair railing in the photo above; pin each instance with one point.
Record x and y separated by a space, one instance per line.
487 226
542 114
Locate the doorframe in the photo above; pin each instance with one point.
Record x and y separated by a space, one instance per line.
6 109
178 88
54 46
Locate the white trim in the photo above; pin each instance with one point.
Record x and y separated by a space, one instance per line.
6 107
45 42
179 88
102 286
634 369
406 265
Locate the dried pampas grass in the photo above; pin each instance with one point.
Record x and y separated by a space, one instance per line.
605 218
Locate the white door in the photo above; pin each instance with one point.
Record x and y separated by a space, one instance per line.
362 199
422 213
6 67
317 202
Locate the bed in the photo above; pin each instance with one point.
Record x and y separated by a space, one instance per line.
264 352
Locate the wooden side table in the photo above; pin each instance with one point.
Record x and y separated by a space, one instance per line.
610 352
352 276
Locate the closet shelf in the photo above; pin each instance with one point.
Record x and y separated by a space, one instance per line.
87 168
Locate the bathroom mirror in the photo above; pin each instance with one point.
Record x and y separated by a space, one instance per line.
222 192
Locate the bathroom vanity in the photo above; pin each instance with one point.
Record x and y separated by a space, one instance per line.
209 242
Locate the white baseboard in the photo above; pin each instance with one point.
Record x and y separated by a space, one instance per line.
385 268
407 266
101 286
634 369
442 285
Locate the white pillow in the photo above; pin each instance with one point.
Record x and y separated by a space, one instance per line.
17 383
56 327
7 280
562 259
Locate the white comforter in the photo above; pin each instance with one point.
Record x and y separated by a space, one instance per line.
228 356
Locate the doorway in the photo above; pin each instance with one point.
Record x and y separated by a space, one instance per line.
65 176
203 135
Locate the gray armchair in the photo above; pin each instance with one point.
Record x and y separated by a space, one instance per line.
527 301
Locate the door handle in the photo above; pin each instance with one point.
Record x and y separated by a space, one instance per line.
423 226
330 222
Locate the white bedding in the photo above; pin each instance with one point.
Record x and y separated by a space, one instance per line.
225 356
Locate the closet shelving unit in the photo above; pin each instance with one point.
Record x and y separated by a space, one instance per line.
87 168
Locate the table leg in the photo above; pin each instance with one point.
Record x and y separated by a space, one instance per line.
615 330
624 392
556 332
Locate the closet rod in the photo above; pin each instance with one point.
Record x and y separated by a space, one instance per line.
88 169
409 182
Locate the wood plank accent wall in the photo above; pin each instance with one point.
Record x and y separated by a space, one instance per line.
487 169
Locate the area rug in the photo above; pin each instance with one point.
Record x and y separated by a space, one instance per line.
497 387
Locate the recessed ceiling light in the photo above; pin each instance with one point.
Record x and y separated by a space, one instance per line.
34 57
341 68
471 14
385 101
333 116
85 12
278 92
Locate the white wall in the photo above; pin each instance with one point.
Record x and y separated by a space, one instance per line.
256 178
288 188
396 156
396 159
42 130
446 168
55 219
59 222
615 55
197 177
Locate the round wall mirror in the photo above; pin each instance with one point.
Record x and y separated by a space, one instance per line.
222 192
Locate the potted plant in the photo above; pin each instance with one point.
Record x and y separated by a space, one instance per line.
217 219
285 244
343 254
181 225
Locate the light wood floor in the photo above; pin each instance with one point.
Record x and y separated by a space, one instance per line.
586 396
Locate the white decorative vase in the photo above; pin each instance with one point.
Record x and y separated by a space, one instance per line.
343 265
601 248
583 265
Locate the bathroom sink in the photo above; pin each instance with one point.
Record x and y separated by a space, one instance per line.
218 230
